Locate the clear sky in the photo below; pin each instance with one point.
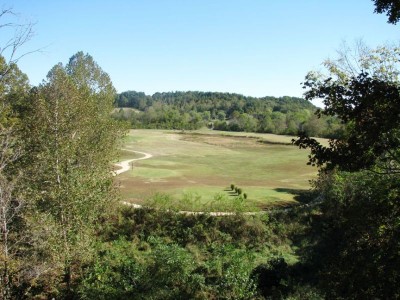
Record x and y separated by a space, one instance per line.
252 47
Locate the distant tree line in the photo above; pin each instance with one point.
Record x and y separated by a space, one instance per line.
224 111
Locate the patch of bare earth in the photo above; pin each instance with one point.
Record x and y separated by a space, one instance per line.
223 141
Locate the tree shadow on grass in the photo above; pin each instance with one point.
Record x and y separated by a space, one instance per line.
301 196
230 192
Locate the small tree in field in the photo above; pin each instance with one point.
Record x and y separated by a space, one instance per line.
245 196
239 191
232 186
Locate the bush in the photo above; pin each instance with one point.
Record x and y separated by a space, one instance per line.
123 272
358 228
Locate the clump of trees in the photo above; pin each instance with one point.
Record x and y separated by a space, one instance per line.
357 222
57 141
238 191
223 111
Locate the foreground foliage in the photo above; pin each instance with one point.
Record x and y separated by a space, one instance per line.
354 235
367 102
57 142
358 236
153 254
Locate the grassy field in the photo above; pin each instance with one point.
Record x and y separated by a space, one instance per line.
195 169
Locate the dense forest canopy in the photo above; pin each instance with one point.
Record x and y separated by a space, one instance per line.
224 111
212 102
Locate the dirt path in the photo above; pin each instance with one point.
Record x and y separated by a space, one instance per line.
125 164
193 213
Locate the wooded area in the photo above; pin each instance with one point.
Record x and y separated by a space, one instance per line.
224 111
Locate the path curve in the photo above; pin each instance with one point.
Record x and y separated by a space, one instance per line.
125 164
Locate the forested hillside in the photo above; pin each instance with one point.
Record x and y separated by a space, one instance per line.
224 111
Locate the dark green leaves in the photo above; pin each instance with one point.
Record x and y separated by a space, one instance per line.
370 109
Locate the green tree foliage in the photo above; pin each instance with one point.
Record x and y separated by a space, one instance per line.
10 207
368 104
272 278
357 236
153 254
392 9
370 108
354 238
123 272
230 112
70 142
13 88
168 271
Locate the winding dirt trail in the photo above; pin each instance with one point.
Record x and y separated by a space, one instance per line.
125 164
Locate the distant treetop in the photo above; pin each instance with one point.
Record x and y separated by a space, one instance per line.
391 7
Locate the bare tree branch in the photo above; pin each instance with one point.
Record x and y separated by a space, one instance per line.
20 34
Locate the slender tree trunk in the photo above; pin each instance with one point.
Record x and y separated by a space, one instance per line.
5 285
63 209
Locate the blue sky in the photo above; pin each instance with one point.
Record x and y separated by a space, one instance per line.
252 47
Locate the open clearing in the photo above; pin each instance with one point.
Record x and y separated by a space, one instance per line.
200 166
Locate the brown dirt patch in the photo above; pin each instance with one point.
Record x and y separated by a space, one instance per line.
223 141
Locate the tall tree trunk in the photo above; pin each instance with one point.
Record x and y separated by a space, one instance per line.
4 280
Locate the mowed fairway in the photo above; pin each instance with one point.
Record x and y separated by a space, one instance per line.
203 164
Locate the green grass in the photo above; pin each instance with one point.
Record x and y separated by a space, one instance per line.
193 201
124 155
205 163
